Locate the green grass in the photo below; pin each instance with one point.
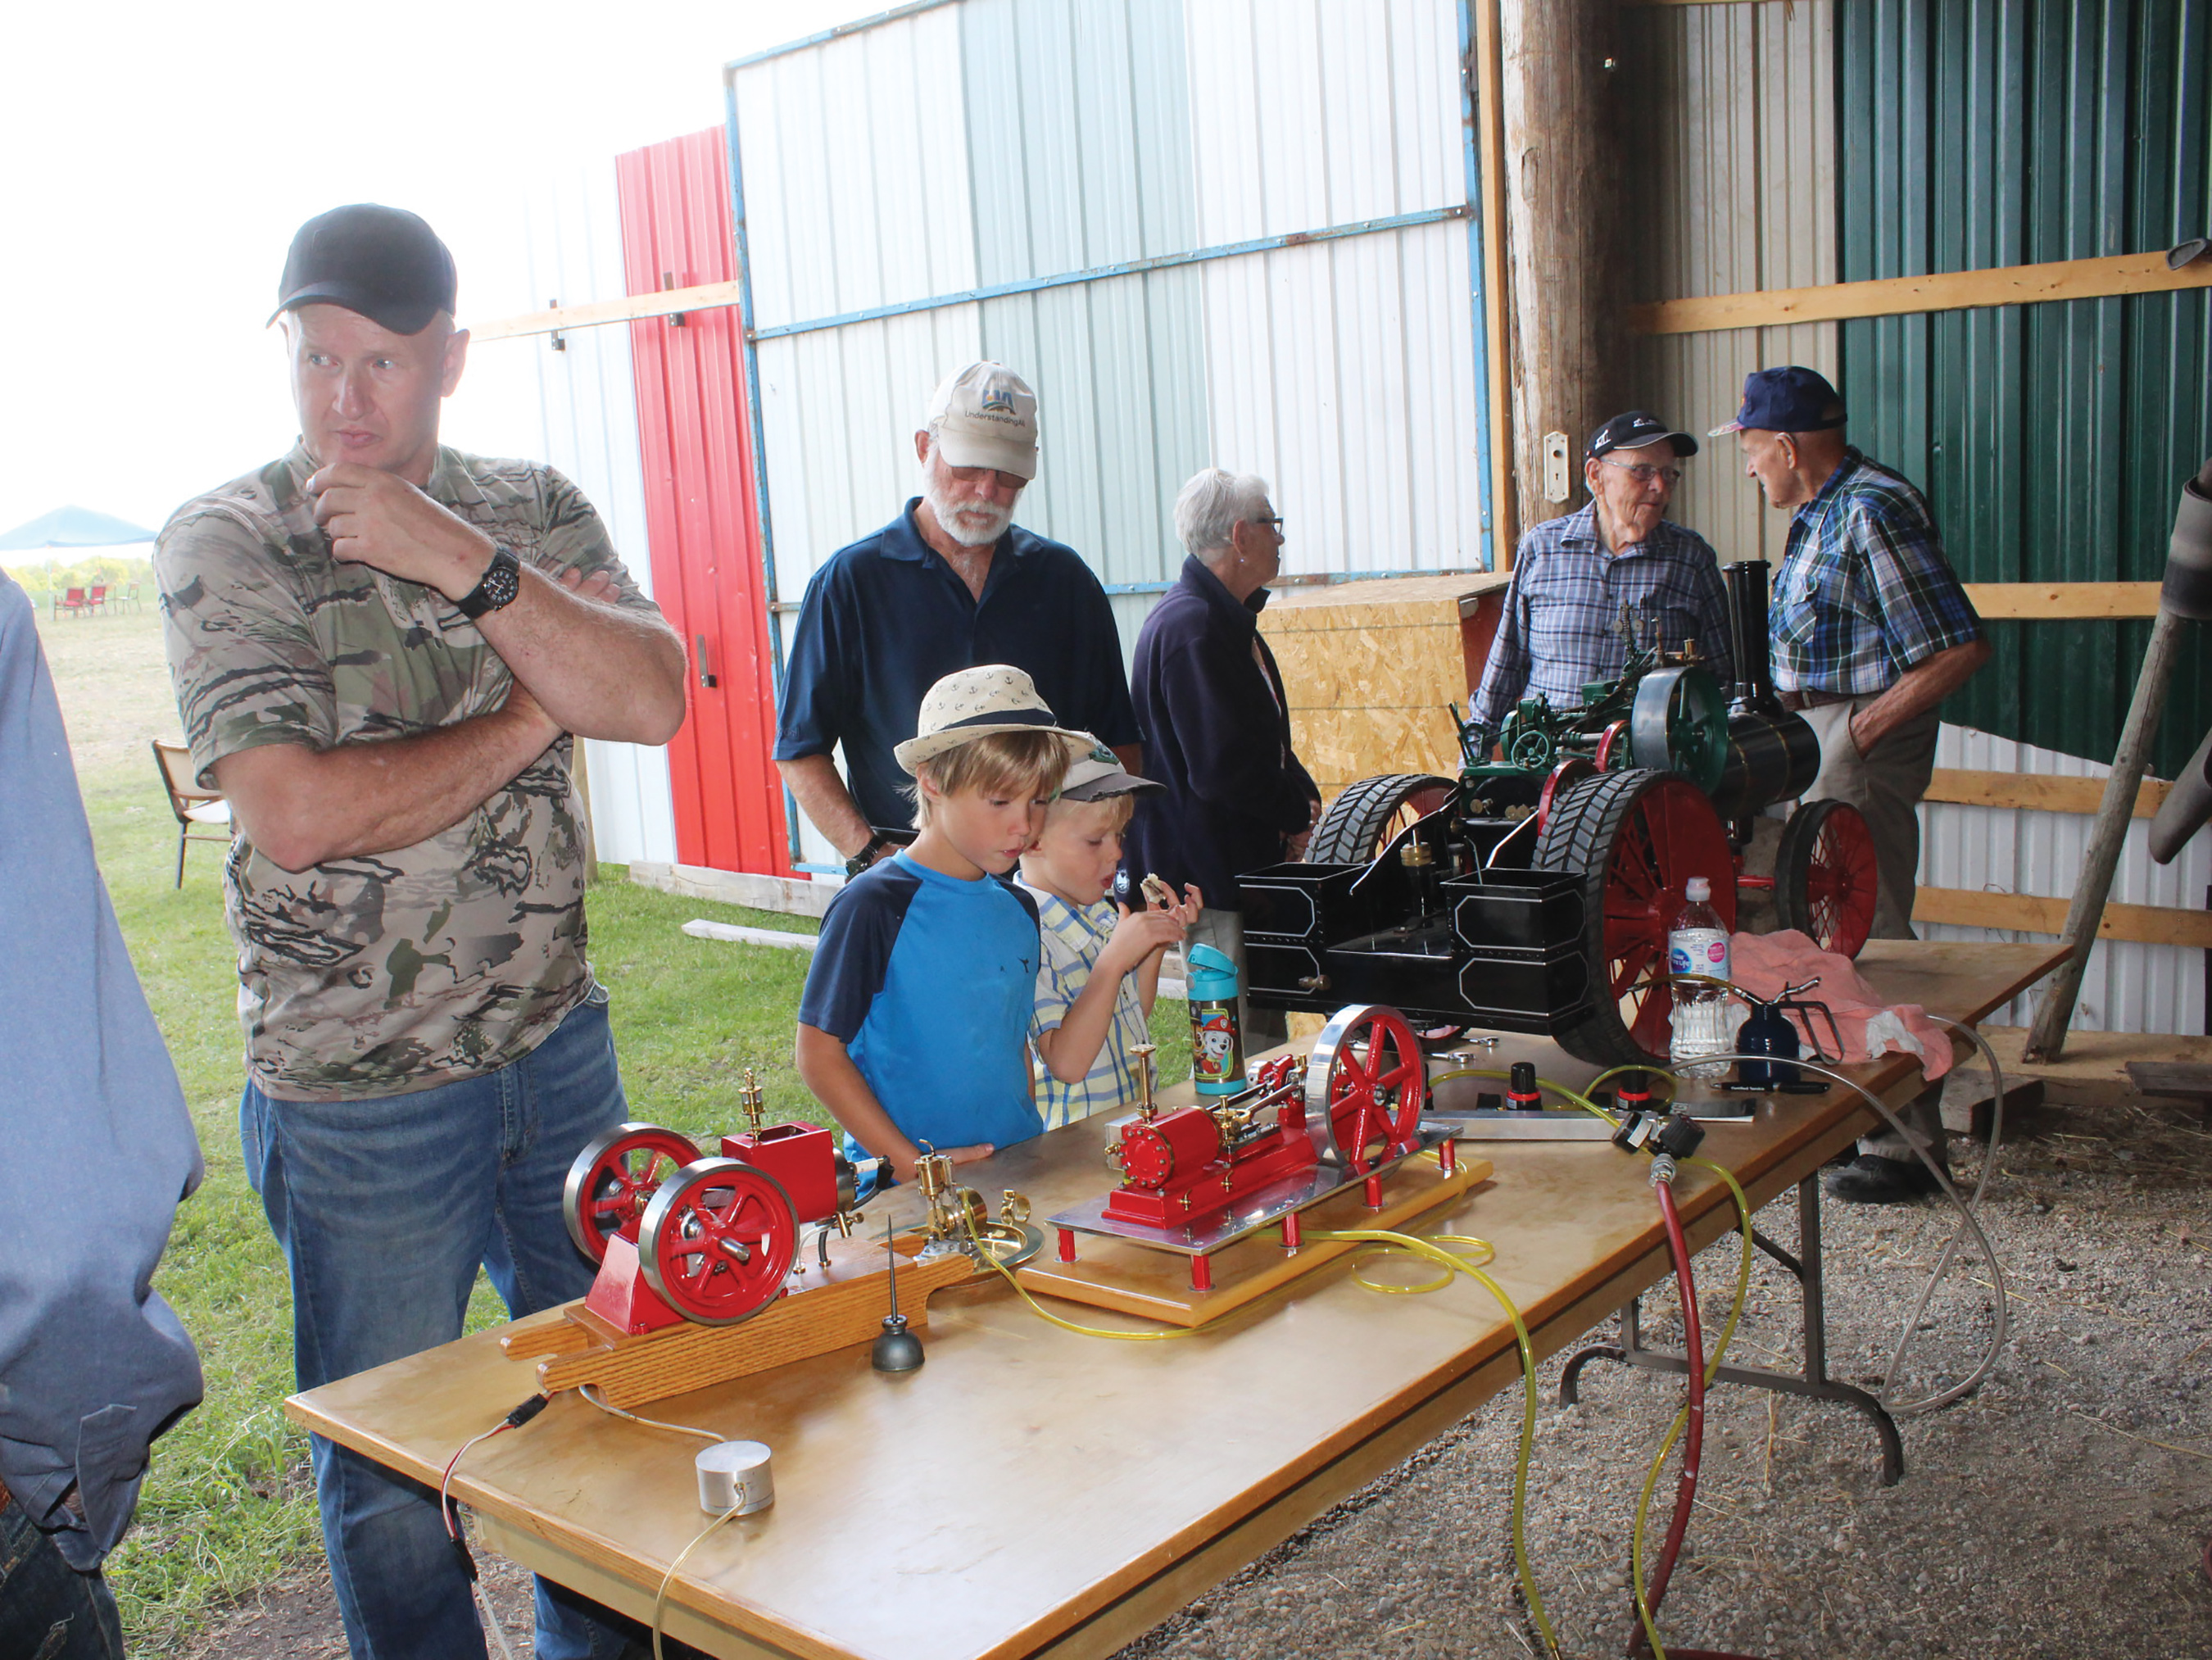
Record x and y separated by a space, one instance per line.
229 1503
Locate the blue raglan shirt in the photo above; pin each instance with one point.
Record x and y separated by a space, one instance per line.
929 981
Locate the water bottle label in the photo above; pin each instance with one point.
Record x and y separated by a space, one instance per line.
1699 951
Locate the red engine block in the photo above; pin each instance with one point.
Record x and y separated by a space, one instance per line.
1184 1167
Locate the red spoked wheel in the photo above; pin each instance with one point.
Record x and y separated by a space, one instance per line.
1367 1081
1636 837
1611 745
613 1180
1825 876
717 1241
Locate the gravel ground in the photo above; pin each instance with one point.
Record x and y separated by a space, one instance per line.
2039 1517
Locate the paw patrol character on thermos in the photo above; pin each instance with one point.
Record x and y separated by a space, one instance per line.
1217 1042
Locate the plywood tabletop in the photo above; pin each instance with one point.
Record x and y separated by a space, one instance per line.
1031 1488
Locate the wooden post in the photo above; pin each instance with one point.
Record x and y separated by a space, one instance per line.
1564 173
2048 1035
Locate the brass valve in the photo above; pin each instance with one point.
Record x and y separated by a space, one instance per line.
1416 855
1142 1055
751 1101
1014 1208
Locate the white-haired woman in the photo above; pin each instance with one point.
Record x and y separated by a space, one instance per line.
1216 727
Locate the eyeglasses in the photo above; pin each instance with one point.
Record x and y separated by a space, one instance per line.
1275 524
1645 473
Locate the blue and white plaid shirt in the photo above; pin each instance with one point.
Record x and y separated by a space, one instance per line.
1072 940
1562 626
1864 592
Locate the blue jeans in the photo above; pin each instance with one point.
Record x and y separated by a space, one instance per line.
385 1208
48 1610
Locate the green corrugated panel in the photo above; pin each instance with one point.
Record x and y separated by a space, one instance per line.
2051 440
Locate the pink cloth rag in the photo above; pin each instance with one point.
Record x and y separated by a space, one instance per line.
1763 963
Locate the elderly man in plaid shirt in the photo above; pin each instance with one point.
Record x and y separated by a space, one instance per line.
1871 633
1617 574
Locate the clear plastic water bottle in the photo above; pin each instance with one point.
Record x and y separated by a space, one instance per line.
1698 943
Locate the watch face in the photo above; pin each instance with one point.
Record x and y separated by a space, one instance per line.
501 581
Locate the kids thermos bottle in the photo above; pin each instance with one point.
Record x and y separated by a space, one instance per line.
1216 1042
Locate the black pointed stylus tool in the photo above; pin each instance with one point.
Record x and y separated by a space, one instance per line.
896 1348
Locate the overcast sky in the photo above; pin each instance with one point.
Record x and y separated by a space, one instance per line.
158 159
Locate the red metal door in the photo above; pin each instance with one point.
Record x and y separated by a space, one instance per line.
700 514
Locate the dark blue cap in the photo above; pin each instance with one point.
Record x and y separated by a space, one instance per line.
384 263
1791 400
1633 430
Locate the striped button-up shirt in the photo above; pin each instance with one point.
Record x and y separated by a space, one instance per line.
1073 937
1563 626
1864 592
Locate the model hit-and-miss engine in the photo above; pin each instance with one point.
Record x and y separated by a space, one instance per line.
1534 892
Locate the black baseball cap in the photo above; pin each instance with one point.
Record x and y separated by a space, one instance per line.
1633 431
1790 399
384 263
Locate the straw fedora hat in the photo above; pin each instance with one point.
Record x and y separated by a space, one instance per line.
975 703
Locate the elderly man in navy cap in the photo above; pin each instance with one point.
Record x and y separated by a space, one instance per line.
1871 632
1592 586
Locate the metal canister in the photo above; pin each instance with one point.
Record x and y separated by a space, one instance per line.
1217 1036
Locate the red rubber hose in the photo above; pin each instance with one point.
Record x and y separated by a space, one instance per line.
1693 1442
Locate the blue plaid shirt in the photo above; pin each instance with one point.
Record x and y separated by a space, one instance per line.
1071 939
1864 592
1562 626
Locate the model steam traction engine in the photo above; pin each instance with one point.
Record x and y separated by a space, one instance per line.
1534 892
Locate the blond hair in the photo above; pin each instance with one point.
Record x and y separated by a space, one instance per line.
1014 762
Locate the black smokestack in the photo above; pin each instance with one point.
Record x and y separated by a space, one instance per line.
1747 597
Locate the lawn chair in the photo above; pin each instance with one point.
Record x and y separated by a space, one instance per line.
203 815
129 597
98 598
70 600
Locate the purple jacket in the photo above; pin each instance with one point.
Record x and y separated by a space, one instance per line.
1218 735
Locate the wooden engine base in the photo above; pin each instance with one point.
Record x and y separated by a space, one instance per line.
842 1306
1117 1274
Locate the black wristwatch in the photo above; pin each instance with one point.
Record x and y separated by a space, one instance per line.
866 856
501 581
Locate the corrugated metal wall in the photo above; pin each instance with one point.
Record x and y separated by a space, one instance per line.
587 402
2051 438
1736 171
1093 133
2127 987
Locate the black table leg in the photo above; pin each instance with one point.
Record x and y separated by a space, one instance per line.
1813 1382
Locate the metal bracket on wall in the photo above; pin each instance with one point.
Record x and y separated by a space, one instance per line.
668 285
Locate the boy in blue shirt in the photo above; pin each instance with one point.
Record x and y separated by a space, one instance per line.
913 1027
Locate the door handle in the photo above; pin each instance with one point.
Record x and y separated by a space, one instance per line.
707 680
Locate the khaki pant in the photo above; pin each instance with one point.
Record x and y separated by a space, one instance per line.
1886 787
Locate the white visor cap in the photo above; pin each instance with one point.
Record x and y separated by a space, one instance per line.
986 416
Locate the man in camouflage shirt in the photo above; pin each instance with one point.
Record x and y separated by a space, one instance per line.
381 648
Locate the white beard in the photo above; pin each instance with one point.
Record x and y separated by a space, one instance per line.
971 524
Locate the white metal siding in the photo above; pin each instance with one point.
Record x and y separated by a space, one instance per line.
1736 160
587 401
2127 987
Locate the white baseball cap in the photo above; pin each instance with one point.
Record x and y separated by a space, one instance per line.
984 415
971 703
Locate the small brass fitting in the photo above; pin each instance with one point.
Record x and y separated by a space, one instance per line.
1014 1208
751 1101
1142 1055
1416 855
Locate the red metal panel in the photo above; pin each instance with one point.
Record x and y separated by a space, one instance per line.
701 520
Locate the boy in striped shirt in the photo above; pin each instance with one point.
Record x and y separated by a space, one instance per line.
1100 967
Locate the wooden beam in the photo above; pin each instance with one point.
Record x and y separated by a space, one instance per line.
2035 791
1898 296
2037 602
2149 925
708 296
1497 319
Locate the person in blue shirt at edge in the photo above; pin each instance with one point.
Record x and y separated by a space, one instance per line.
913 1027
1101 968
949 583
1583 582
1871 632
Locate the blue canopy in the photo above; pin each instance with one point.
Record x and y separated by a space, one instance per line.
73 527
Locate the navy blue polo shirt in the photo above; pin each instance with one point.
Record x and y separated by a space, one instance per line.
887 618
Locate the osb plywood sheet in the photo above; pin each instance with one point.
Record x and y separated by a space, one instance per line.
1369 668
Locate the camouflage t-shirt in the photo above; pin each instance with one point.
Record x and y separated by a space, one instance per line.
395 971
